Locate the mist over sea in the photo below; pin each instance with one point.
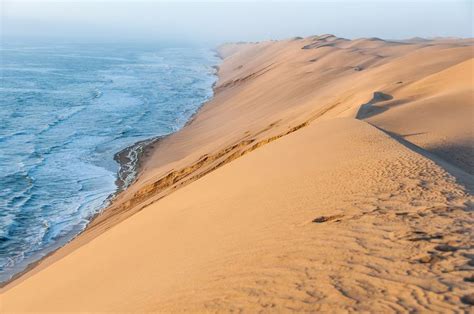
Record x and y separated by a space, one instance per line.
65 110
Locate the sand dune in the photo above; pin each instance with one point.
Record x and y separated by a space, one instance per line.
326 174
436 113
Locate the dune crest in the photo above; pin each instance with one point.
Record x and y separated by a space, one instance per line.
326 174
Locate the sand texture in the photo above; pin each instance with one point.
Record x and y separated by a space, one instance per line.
325 175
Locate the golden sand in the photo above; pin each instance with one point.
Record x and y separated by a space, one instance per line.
325 175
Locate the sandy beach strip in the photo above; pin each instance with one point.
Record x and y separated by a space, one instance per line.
283 194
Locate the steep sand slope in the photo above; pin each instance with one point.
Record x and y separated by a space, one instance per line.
391 232
268 89
272 146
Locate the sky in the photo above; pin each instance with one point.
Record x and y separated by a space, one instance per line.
216 21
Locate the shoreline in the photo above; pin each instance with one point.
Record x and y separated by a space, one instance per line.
131 160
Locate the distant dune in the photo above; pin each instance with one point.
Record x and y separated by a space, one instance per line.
326 174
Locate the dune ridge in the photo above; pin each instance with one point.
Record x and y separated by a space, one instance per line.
355 196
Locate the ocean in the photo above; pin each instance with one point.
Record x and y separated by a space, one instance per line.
65 111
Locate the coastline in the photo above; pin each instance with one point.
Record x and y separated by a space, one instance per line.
316 187
130 160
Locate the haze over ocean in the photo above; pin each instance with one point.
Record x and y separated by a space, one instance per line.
217 21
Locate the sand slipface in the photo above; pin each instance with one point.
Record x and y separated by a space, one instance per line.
325 175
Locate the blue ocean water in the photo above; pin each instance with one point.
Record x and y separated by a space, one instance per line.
65 110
